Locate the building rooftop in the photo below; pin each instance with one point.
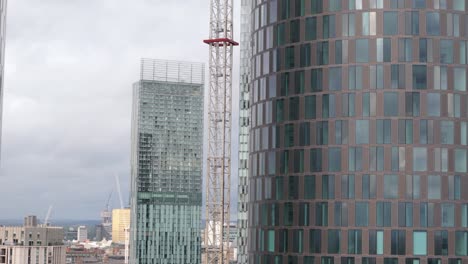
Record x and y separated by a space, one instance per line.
172 71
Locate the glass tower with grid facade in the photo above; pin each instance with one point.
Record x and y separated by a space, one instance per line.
359 132
167 143
3 8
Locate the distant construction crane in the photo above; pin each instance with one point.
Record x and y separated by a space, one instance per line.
47 218
119 192
106 214
218 167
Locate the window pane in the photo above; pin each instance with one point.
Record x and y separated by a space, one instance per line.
419 159
464 133
391 186
448 215
305 55
362 131
293 108
459 5
338 52
273 11
280 32
284 87
384 50
459 79
394 4
322 53
271 241
460 160
420 243
390 23
398 242
289 135
294 31
365 104
279 188
322 133
289 57
310 107
416 187
355 159
334 5
380 242
464 215
432 23
354 241
341 132
315 241
390 104
419 4
447 129
328 26
423 50
316 6
462 52
419 77
311 28
461 243
316 80
288 214
328 186
347 186
293 187
362 214
330 260
365 24
309 187
316 160
441 243
333 241
405 50
334 78
433 187
298 241
395 159
362 50
355 78
433 104
446 51
280 110
334 159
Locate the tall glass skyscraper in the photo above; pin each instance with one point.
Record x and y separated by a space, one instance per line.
359 132
167 143
3 8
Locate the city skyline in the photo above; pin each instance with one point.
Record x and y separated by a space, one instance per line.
83 66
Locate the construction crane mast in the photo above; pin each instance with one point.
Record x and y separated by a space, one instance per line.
218 166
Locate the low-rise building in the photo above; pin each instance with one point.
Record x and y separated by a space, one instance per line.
82 233
120 222
31 243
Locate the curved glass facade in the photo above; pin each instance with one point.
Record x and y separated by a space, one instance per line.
358 149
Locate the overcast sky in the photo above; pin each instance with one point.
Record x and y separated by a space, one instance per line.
69 69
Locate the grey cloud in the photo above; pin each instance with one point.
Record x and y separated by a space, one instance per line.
70 65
